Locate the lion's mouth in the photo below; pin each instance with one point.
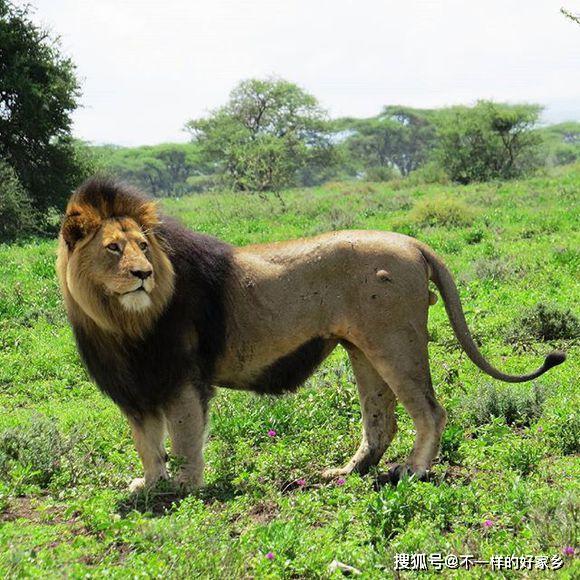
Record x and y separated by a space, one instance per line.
140 289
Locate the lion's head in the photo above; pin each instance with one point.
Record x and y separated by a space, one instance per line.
112 267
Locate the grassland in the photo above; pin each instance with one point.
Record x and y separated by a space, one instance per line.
507 479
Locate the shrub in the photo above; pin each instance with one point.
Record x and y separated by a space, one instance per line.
555 520
16 213
443 211
495 269
544 322
523 456
563 431
32 454
428 174
516 404
380 173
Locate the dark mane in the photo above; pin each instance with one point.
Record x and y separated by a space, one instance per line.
141 374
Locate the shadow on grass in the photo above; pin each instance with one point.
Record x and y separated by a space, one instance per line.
165 497
449 474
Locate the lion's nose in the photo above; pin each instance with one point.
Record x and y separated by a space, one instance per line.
142 274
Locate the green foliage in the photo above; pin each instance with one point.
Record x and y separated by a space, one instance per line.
429 173
544 322
160 170
443 211
400 138
268 132
561 143
38 92
380 173
32 454
488 141
563 429
16 213
451 441
516 404
523 456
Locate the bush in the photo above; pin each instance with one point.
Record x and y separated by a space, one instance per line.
428 174
544 322
32 454
16 213
516 404
496 269
441 211
380 173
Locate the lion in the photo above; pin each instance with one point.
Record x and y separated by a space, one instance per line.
162 315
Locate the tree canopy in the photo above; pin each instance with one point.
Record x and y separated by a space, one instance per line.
268 132
400 138
488 141
38 93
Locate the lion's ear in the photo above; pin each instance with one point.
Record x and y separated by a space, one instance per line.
78 223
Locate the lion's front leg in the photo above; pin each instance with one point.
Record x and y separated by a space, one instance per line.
186 421
148 434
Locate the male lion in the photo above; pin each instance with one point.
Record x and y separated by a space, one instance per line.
161 315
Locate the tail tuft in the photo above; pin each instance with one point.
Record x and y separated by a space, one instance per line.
554 359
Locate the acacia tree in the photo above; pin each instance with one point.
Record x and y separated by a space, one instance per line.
399 138
38 93
268 132
488 141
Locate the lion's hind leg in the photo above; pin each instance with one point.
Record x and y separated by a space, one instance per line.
378 416
402 360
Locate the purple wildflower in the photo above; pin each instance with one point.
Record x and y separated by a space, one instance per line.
487 524
568 551
340 481
270 555
271 433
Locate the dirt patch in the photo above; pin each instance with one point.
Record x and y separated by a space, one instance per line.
121 549
264 512
31 509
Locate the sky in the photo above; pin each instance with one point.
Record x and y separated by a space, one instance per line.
146 67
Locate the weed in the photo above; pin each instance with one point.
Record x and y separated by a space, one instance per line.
544 322
523 456
451 441
497 269
516 404
563 430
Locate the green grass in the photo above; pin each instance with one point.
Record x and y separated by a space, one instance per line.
509 455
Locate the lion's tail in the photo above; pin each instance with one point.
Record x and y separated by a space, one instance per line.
444 282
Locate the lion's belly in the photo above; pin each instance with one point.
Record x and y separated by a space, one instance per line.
277 373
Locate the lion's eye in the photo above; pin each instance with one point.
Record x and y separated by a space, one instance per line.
114 248
143 245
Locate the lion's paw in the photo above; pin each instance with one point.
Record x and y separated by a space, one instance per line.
335 472
137 485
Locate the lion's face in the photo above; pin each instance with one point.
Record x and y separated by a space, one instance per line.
111 264
120 256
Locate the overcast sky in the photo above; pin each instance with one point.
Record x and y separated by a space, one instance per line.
146 67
